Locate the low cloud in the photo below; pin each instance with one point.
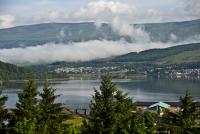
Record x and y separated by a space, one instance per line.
173 37
118 13
6 21
137 34
82 51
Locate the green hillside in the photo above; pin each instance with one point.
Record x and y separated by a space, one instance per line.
181 58
13 72
10 71
153 55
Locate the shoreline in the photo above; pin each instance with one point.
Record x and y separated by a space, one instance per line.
59 79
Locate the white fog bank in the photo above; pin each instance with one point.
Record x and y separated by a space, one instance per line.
81 51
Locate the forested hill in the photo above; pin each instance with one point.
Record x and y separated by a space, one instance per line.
39 34
13 72
10 71
172 55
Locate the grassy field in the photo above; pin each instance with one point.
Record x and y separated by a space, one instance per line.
181 58
74 120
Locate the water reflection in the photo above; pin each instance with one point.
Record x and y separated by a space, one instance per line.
79 92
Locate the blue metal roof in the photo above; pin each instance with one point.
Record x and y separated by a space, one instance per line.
160 104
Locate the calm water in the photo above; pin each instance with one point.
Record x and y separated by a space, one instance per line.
76 93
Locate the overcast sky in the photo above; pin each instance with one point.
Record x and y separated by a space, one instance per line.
23 12
120 13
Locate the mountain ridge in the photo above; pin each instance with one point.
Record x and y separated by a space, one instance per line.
154 55
39 34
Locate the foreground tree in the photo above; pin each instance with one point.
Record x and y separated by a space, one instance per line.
184 120
188 112
25 126
27 103
50 119
150 120
110 110
123 109
25 117
3 111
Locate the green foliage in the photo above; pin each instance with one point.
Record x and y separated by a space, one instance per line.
24 118
155 54
73 130
110 110
25 126
189 111
13 72
9 71
143 123
181 58
27 103
49 118
137 124
150 120
124 106
3 111
184 120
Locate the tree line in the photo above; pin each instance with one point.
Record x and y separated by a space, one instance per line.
111 112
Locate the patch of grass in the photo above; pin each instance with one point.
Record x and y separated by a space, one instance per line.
180 58
74 122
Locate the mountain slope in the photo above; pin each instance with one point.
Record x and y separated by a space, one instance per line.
158 54
10 71
181 58
31 35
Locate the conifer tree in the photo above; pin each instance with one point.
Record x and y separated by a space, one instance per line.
184 120
49 111
25 114
27 103
110 109
188 112
3 111
124 107
25 126
150 122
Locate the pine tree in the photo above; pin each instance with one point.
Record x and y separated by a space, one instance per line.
3 111
110 109
150 122
25 114
124 107
49 111
25 126
188 112
184 120
27 103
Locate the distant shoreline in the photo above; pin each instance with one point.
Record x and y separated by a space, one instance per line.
65 79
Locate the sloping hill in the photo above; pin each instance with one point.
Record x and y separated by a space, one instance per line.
31 35
156 54
181 58
165 31
10 71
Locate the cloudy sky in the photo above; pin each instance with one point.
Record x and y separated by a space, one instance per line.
119 13
23 12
